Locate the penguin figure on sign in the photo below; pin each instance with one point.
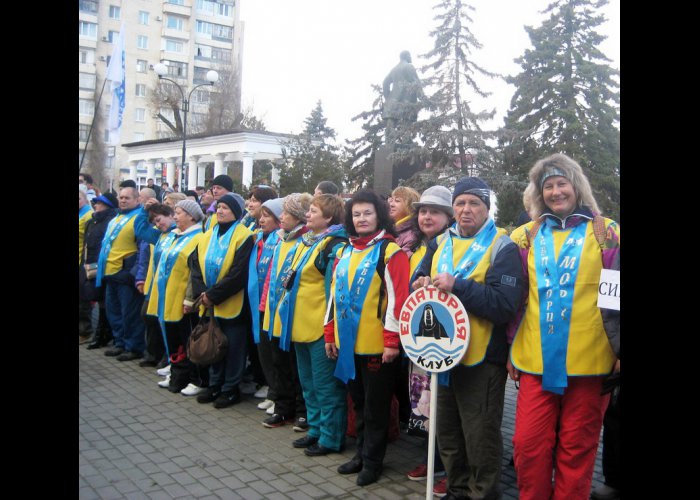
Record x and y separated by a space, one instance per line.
430 326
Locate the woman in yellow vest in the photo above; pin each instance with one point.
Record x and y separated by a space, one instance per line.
433 218
289 398
301 312
219 274
370 285
169 277
560 353
477 262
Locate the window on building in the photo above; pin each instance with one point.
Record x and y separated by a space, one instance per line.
142 42
109 58
86 56
139 136
106 134
173 45
200 96
221 31
177 69
114 12
215 8
141 65
140 90
219 54
83 131
86 107
86 81
203 27
143 17
175 23
177 2
202 51
88 6
140 114
111 36
200 75
88 30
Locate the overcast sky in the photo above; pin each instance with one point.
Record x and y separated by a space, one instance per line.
295 53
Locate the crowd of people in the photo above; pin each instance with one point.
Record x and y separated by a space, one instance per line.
308 290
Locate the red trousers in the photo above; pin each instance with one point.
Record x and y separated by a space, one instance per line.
559 433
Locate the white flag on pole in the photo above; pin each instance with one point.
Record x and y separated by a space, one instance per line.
116 77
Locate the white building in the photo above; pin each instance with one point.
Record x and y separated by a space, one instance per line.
189 36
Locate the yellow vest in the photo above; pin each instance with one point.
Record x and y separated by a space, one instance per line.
588 349
82 225
176 284
211 222
284 248
149 274
416 258
123 246
231 307
370 332
480 329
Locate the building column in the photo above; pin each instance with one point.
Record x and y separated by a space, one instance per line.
170 174
192 172
247 172
219 164
132 171
151 170
201 173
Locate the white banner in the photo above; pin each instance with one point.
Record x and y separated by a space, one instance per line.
609 290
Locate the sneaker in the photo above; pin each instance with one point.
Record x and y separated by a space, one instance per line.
275 420
83 339
605 492
271 409
129 356
210 395
114 351
261 393
228 398
440 488
248 387
164 372
192 390
268 403
419 473
301 425
165 383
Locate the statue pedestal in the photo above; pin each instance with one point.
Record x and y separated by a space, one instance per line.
383 171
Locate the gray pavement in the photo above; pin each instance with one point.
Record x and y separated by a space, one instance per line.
139 441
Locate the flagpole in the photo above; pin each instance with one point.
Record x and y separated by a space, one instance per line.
92 124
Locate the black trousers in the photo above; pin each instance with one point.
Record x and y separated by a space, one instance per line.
289 399
264 349
155 347
611 442
371 392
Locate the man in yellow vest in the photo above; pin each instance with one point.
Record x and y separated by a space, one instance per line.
84 307
118 257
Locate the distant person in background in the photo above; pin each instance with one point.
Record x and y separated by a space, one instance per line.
257 196
192 195
220 186
176 188
206 202
171 199
151 184
92 190
165 189
84 306
326 187
200 191
401 211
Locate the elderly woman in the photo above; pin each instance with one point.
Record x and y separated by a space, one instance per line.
402 213
170 276
434 217
289 399
560 353
219 274
301 312
370 285
477 262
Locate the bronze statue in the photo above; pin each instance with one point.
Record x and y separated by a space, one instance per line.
401 89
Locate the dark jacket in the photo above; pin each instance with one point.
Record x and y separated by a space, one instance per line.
497 299
611 318
94 233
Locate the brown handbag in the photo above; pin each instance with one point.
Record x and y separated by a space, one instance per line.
207 343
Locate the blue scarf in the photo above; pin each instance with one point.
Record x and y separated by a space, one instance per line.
259 269
83 211
164 241
349 302
113 229
555 288
216 253
288 303
165 265
466 265
275 290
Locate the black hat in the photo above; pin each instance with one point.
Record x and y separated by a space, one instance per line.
475 186
108 199
232 203
127 184
224 181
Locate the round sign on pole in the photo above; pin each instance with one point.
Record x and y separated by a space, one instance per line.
434 329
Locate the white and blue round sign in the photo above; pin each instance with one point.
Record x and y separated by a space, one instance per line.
434 329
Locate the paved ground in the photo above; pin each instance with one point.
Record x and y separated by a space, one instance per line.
140 441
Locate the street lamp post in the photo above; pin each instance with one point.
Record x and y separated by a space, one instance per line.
212 77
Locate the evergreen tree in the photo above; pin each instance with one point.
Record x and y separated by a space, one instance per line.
567 100
310 157
454 144
361 152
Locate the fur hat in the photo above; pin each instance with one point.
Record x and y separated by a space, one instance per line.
297 204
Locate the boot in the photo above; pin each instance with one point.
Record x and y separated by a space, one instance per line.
103 334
